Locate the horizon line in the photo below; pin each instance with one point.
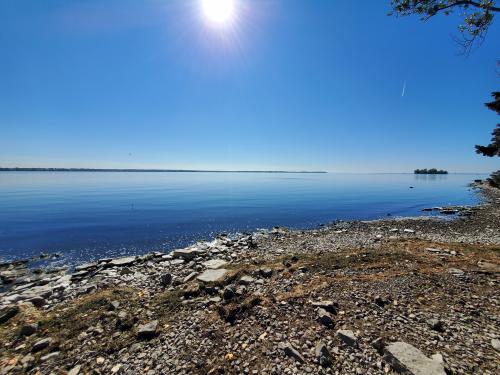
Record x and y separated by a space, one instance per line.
42 169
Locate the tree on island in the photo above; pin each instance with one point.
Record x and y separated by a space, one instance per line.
477 15
430 171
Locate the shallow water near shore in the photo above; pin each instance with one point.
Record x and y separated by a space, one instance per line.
91 215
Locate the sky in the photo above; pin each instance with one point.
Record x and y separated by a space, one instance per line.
284 84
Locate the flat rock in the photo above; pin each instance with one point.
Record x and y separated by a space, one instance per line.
187 254
212 276
214 264
120 262
147 331
406 359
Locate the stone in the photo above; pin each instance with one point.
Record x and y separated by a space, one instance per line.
323 355
329 306
410 231
8 313
348 337
177 262
436 325
75 370
147 331
121 262
496 344
290 351
325 318
229 292
189 277
407 359
456 272
86 266
214 264
113 305
28 329
266 272
381 301
100 360
37 301
213 276
41 344
247 280
187 254
49 356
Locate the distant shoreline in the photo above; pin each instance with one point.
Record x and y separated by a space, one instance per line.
140 170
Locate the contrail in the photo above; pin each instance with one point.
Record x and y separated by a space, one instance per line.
404 89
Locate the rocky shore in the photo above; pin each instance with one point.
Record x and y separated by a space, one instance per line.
411 296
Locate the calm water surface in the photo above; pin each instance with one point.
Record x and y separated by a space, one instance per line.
87 215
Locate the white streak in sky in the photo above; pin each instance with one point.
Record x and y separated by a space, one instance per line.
404 89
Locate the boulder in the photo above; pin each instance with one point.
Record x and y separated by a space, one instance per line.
406 359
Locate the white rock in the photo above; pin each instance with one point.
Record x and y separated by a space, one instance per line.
212 276
213 264
407 359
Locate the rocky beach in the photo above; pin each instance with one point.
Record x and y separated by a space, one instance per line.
409 295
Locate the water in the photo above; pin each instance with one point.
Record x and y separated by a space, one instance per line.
86 215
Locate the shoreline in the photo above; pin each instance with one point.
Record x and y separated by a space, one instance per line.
233 284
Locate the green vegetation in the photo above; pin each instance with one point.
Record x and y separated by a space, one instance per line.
477 15
430 171
493 149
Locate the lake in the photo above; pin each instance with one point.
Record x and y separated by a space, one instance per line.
89 215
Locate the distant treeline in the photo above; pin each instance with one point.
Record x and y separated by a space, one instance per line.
138 170
430 171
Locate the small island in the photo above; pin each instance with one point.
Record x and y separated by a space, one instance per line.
430 171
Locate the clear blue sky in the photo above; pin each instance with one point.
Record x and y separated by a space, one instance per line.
290 84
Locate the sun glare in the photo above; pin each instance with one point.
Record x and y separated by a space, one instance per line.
218 12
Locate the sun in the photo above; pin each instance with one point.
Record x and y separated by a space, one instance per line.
218 12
